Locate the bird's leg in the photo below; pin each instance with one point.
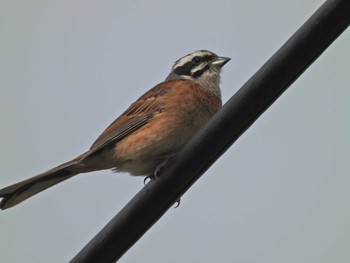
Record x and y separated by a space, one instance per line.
156 176
157 170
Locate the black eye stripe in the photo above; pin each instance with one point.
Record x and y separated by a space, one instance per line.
196 59
203 58
186 68
207 58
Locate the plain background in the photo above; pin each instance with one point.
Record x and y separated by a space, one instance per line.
68 68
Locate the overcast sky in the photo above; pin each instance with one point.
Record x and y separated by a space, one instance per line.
69 68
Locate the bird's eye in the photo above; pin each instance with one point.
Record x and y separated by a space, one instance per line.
196 59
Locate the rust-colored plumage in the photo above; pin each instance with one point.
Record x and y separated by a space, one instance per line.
152 129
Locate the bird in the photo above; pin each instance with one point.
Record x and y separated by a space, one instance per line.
148 133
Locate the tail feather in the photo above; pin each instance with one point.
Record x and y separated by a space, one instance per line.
16 193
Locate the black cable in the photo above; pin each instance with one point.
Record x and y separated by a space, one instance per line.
237 115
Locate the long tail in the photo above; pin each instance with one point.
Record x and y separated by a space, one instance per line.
16 193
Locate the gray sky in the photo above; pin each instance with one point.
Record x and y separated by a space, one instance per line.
69 68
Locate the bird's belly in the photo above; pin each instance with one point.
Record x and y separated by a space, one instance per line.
142 151
148 147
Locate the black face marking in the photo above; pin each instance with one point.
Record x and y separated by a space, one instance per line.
199 73
187 67
184 69
197 60
208 58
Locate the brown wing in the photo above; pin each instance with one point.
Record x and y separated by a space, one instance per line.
136 116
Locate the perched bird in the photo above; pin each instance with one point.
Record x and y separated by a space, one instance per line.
151 130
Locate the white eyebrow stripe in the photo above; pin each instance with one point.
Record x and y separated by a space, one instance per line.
182 61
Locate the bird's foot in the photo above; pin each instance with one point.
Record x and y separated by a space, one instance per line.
148 177
157 170
177 203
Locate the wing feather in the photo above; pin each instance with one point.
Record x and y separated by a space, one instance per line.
135 117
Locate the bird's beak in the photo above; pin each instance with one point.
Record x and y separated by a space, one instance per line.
220 61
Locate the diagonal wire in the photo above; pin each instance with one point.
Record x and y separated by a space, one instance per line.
236 116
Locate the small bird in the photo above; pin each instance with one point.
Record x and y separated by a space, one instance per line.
148 133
